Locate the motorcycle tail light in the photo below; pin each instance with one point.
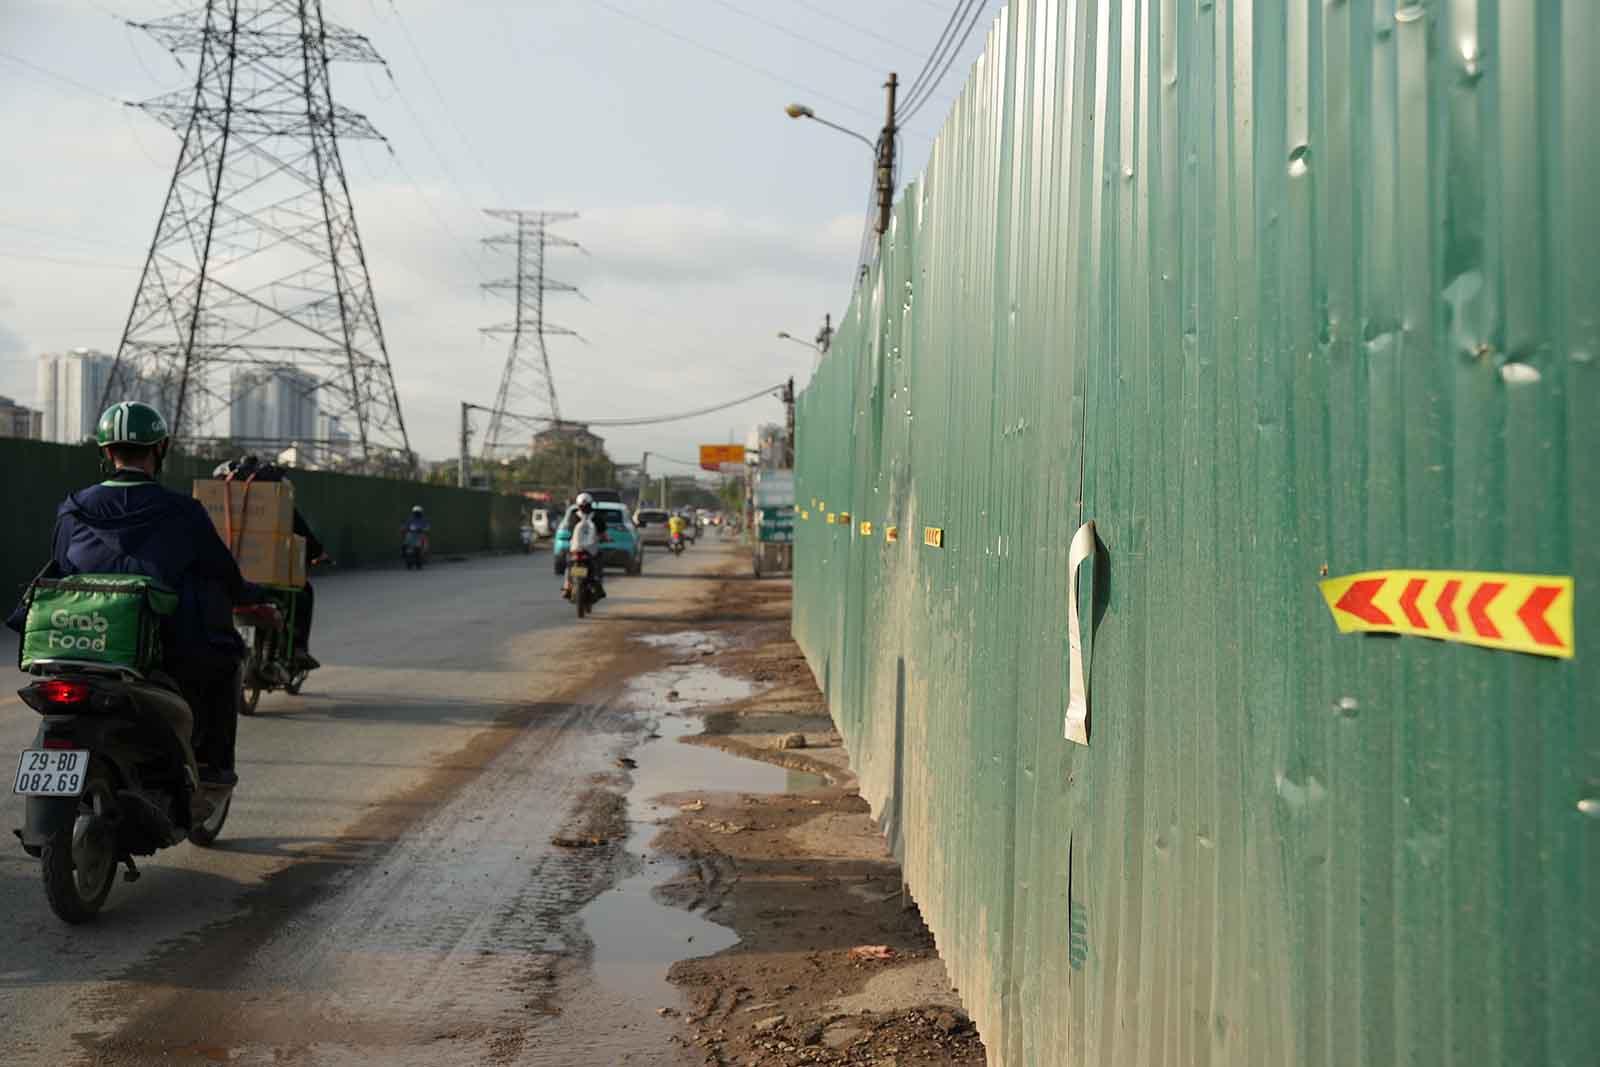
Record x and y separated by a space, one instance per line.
58 743
56 691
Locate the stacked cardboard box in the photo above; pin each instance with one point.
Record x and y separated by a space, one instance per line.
257 522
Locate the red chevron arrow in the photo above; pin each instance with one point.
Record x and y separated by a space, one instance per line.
1532 615
1477 608
1447 604
1357 601
1408 602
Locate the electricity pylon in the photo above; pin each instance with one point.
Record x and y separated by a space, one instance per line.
529 357
256 264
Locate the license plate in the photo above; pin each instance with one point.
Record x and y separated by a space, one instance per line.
247 633
580 570
51 772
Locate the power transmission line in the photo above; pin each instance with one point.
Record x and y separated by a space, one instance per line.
56 76
528 354
796 35
638 420
605 5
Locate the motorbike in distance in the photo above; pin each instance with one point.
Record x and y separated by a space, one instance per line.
414 549
675 544
270 661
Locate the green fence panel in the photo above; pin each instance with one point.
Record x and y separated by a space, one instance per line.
358 518
1270 292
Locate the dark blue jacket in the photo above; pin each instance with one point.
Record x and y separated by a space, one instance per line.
133 525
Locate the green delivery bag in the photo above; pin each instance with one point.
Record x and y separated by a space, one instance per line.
96 618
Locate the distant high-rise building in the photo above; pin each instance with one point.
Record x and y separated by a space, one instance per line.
337 442
19 421
276 406
70 388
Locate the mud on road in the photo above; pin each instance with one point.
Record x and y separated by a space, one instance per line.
833 963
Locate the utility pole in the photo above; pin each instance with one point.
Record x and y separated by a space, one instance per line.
886 161
644 480
788 440
464 478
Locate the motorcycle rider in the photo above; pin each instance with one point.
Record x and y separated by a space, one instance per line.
250 468
587 516
131 524
675 526
414 531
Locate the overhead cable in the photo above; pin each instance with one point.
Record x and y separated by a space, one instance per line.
641 420
913 106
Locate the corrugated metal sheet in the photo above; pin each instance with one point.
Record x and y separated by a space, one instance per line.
1269 291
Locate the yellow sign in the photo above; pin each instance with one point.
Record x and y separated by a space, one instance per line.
891 534
1511 612
933 536
805 516
712 457
830 518
844 518
866 528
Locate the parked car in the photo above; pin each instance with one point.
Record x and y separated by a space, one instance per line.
623 551
544 523
652 524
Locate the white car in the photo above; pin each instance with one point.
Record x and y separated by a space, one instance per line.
652 524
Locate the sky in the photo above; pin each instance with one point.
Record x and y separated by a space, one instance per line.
709 220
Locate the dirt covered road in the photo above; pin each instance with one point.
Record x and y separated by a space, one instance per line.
480 838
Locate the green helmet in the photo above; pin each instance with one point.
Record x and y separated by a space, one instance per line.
130 423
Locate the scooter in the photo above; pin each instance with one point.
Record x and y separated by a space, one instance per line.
111 775
270 662
583 571
676 544
414 552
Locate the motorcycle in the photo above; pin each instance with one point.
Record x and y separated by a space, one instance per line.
583 571
414 552
270 661
676 544
111 775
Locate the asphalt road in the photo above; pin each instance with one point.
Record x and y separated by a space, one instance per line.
384 886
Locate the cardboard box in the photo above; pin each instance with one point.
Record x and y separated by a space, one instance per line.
297 561
266 508
272 558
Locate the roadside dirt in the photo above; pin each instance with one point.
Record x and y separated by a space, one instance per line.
832 965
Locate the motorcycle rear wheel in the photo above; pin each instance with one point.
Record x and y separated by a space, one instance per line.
79 861
581 595
205 835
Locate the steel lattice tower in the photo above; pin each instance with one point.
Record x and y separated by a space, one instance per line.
529 357
256 261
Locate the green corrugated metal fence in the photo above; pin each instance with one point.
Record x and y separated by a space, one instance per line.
357 518
1269 291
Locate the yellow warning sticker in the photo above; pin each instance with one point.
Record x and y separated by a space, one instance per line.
891 534
805 516
830 519
844 518
866 528
933 536
1512 612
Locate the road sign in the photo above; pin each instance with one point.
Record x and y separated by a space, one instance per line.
712 457
1512 612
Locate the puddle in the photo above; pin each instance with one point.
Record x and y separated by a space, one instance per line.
683 641
637 938
695 687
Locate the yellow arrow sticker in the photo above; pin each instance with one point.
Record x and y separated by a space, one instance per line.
891 534
1511 612
830 519
933 536
866 528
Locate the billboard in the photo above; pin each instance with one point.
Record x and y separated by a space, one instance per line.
714 457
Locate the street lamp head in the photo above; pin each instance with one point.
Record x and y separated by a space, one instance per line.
785 335
799 111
